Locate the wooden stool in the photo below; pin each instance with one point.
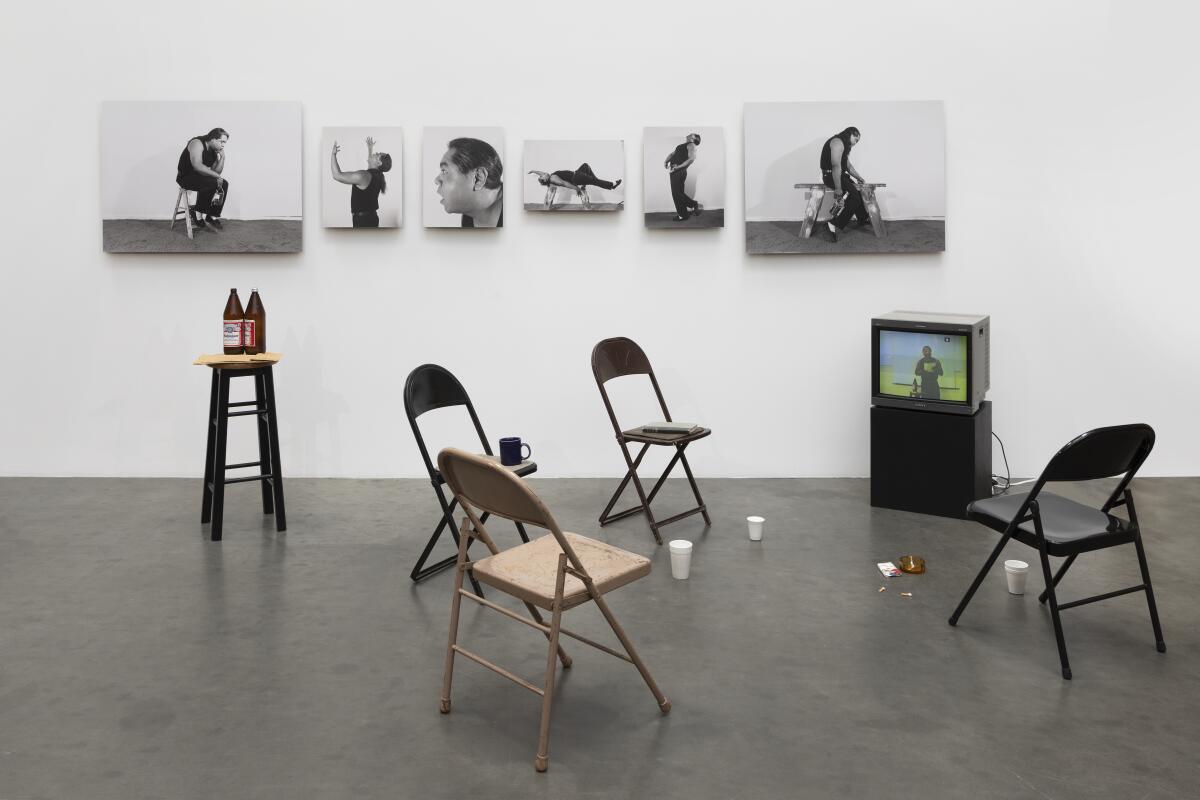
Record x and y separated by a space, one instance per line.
816 195
183 205
270 472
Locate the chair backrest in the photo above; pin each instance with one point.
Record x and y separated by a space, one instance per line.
616 358
430 387
1099 453
613 358
487 486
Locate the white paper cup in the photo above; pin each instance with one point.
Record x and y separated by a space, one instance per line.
1016 572
681 558
756 528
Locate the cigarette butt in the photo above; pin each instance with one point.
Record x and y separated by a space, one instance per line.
906 594
883 588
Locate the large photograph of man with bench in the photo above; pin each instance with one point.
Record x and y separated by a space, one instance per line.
845 177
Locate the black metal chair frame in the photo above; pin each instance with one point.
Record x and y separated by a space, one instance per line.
636 363
270 473
431 387
1096 454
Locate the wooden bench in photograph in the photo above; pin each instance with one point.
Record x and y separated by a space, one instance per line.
816 194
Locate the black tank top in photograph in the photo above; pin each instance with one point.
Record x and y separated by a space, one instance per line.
207 157
367 199
826 157
679 154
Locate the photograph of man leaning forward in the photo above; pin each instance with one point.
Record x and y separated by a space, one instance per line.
840 175
200 166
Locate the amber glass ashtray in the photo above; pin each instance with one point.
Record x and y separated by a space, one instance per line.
914 565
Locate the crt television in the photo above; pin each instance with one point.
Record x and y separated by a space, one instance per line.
930 362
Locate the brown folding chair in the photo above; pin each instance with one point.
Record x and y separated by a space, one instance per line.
615 358
554 573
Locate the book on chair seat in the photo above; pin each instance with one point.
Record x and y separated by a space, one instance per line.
669 427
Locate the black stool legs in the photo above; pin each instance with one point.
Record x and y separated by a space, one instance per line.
270 472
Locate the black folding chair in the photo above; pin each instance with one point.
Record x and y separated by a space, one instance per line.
615 358
431 387
1056 526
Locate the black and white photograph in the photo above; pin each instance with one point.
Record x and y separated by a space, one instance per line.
574 175
463 181
845 177
362 177
683 177
201 177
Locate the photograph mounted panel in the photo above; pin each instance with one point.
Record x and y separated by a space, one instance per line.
683 177
362 177
861 177
463 182
201 177
574 175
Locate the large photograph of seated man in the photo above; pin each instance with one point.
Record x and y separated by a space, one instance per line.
683 177
930 366
861 177
574 175
183 177
463 185
362 180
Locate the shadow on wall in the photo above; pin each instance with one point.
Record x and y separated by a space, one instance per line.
158 169
802 165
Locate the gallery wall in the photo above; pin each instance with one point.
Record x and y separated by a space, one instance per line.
1056 226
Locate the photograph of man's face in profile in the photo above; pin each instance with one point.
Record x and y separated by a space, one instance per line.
468 183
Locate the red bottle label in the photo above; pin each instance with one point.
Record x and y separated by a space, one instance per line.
249 339
231 333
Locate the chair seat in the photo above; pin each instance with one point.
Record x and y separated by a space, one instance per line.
1069 527
638 435
520 470
528 571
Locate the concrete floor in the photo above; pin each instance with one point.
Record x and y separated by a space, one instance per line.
138 660
235 236
903 236
710 218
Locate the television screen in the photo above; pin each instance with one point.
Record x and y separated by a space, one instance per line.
928 366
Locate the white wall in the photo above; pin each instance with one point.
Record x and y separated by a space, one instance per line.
706 176
1058 228
140 144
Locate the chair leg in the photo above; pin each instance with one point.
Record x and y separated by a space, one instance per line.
266 465
218 480
542 761
604 519
521 531
664 704
273 440
206 509
1058 576
1159 644
537 617
419 571
1054 616
662 479
455 605
695 489
987 565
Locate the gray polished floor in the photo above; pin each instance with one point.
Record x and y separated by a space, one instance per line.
138 660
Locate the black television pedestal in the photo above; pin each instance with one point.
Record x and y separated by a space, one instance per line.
928 462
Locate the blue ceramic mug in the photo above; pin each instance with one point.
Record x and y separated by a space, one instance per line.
510 451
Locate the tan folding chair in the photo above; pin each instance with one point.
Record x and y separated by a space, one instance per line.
553 573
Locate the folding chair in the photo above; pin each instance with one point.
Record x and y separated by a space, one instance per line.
431 387
615 358
554 573
1056 526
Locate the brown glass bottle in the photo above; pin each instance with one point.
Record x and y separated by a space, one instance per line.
255 325
231 333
